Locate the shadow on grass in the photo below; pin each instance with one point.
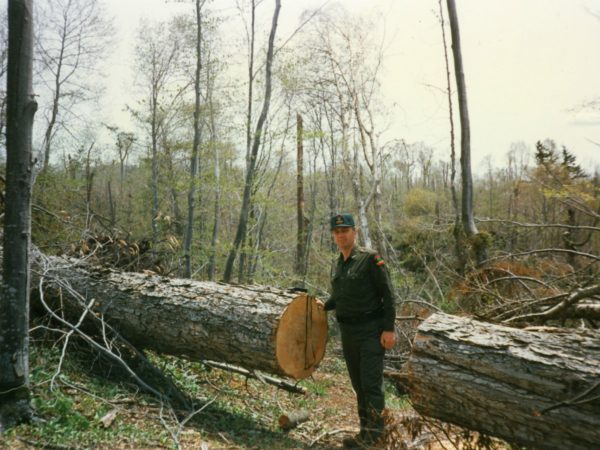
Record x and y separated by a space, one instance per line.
223 421
240 430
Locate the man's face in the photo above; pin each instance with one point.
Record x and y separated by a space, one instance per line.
344 237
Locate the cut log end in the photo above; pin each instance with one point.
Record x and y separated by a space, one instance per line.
292 419
301 337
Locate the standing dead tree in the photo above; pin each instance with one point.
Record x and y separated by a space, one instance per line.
467 216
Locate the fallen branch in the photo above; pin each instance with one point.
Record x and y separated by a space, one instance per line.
545 250
555 311
117 350
281 384
538 225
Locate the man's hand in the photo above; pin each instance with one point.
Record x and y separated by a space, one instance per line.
320 304
388 339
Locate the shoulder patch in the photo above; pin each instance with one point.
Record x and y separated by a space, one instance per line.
378 260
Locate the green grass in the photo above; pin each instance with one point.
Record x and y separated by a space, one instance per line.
70 405
237 412
68 410
392 400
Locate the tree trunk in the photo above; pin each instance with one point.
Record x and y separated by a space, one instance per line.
240 235
255 327
362 206
14 283
112 215
154 149
536 388
194 163
468 220
458 241
212 260
301 232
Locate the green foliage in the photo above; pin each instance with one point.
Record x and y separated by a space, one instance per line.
317 387
71 406
481 240
69 414
392 399
419 202
417 244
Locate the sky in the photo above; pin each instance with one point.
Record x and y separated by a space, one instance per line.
530 67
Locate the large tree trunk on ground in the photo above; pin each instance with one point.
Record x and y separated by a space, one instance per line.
255 327
537 388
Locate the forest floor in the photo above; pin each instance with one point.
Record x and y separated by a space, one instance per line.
79 409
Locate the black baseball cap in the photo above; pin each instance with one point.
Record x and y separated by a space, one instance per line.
342 220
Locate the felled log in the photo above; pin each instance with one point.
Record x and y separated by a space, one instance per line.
255 327
538 388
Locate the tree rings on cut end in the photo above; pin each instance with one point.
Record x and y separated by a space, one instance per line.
301 337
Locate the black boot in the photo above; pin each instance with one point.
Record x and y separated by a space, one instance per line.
373 431
356 441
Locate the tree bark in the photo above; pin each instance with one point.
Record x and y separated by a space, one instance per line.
14 283
468 220
212 259
537 388
195 160
301 232
255 327
458 241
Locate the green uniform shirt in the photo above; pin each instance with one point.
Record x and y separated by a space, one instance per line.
361 285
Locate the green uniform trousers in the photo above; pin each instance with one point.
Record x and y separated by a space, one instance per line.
364 359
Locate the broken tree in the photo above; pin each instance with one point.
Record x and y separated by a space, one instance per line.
256 327
534 387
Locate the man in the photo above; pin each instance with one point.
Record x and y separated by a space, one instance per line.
364 302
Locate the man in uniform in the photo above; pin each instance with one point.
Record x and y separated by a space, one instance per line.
363 298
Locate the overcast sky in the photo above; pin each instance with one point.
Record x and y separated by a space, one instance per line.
529 67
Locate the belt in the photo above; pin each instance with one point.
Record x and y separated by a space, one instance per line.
360 318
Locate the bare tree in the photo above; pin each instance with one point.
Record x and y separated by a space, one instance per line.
467 216
256 141
452 129
217 175
157 55
123 143
348 50
14 289
300 236
195 160
74 36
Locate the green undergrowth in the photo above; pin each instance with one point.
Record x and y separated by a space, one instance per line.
83 405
